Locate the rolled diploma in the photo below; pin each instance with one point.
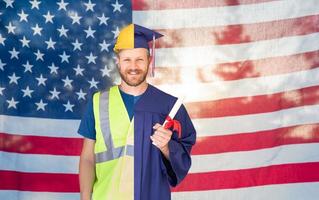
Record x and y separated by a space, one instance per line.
175 108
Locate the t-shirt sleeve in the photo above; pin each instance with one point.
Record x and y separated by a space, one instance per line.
87 125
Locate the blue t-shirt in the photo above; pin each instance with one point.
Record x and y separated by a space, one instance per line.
87 125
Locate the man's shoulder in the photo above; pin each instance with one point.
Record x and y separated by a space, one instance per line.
161 94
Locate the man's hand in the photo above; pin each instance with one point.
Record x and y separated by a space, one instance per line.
160 139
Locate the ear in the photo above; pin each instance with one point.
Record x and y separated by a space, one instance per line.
117 60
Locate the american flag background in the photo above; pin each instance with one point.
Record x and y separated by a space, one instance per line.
248 70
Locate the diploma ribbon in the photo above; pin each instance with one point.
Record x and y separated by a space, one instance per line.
174 124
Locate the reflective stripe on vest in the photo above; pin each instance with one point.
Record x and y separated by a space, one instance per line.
111 152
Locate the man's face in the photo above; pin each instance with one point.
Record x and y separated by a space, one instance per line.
133 65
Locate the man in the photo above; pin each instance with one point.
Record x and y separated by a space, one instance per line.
127 153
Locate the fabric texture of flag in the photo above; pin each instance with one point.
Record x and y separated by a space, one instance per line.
247 69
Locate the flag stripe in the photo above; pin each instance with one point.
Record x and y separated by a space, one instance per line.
244 14
308 133
215 162
300 191
40 145
26 195
164 5
238 33
255 104
238 70
214 54
257 122
245 87
44 182
35 163
286 154
287 173
43 127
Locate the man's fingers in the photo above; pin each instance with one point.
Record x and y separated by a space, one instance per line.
156 126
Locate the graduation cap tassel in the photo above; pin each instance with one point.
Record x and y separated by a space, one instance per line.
153 57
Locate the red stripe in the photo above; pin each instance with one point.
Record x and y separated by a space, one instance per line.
164 4
40 182
308 133
276 174
238 70
255 104
40 145
236 34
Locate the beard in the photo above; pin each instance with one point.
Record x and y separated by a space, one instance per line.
133 77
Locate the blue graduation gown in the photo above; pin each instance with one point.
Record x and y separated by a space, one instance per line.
153 174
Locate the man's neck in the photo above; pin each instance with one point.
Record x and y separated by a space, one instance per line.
133 90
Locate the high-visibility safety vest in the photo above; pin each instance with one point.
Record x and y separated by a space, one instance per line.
114 147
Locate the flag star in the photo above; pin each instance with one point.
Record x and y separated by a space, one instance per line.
35 4
104 46
117 6
12 103
89 32
68 106
50 43
77 45
48 17
91 58
105 71
1 90
64 57
27 92
2 65
78 70
25 42
27 67
93 83
55 94
36 30
67 82
14 53
41 105
75 18
116 32
63 31
62 5
10 28
103 19
53 69
23 16
39 55
41 80
9 3
89 6
81 94
2 39
14 79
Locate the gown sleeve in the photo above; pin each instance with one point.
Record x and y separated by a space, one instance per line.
179 161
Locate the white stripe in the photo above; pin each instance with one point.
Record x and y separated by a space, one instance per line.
257 122
194 92
286 154
39 126
213 54
24 195
296 191
223 16
39 163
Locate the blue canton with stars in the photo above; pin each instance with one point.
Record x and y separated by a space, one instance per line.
55 54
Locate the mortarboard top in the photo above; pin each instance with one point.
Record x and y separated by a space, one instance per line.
135 36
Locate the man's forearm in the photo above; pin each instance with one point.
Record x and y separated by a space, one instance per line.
87 177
